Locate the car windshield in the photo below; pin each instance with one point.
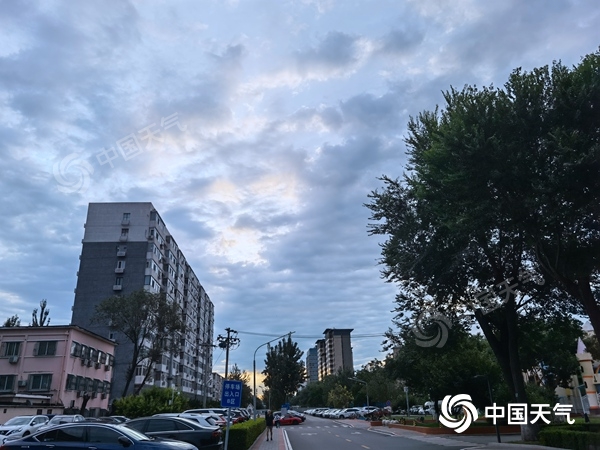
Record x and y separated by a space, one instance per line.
18 421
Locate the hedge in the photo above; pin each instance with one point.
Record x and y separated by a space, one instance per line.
574 437
242 435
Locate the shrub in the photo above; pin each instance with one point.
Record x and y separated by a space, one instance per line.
242 435
574 437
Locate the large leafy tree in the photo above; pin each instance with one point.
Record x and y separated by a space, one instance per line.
484 209
339 397
284 370
150 322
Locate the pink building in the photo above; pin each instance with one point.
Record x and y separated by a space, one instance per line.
54 370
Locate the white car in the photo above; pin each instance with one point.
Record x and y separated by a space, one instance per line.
21 426
59 419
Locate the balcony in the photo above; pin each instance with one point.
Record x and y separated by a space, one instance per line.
121 253
119 269
123 238
117 287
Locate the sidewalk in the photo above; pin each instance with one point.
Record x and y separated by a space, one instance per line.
278 442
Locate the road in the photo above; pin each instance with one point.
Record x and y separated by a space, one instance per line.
319 433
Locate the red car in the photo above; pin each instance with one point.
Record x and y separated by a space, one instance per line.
288 419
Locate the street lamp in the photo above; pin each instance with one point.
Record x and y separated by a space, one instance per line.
254 365
491 400
362 382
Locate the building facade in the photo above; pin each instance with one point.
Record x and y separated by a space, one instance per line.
312 365
127 247
334 351
54 370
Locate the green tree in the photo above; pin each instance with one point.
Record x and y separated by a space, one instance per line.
244 377
592 346
284 371
151 401
481 212
339 397
548 349
43 319
12 321
148 321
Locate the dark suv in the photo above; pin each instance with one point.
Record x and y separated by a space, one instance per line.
181 429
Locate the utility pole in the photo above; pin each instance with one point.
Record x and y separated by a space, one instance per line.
231 341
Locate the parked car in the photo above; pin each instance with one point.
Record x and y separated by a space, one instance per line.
200 418
181 429
347 413
93 435
20 426
120 419
288 419
59 419
297 414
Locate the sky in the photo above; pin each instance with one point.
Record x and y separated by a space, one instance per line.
256 128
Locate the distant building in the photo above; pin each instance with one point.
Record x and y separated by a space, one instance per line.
127 247
334 352
312 365
54 370
216 387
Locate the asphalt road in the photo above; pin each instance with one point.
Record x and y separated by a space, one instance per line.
319 433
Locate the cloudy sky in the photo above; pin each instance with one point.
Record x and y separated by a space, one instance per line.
256 128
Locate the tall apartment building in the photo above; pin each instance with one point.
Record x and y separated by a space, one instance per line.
334 352
127 247
312 365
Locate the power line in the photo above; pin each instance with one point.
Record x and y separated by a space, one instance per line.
304 336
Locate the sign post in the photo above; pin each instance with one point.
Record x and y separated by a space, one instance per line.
406 391
231 397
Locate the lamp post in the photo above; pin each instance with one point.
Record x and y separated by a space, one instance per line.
366 385
491 400
254 367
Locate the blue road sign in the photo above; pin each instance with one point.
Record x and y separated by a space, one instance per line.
231 397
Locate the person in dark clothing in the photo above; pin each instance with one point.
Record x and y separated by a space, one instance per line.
269 421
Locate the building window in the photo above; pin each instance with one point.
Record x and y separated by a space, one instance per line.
7 382
119 281
40 382
75 349
45 348
126 217
85 352
121 264
71 383
11 349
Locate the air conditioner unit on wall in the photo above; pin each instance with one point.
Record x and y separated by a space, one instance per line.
22 383
13 359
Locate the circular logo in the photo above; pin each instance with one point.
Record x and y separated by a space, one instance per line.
72 173
439 339
469 412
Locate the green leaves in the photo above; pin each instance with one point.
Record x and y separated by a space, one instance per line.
284 370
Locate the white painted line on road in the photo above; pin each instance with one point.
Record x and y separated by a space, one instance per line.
288 446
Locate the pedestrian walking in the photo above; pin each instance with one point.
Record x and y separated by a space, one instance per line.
269 421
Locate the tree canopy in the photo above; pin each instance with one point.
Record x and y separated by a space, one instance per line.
284 370
148 321
12 321
496 218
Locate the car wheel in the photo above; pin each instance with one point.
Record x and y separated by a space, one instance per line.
26 434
